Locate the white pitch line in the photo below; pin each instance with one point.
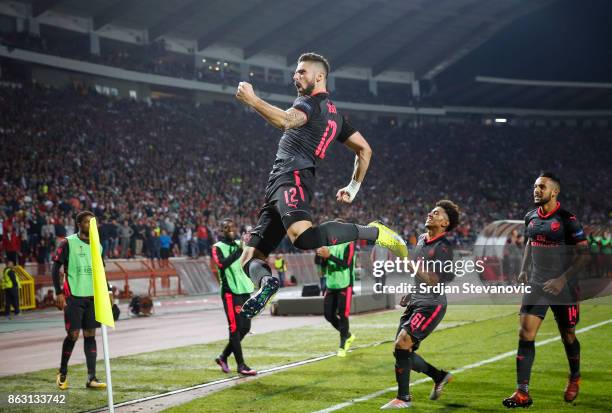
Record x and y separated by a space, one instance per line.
236 378
459 370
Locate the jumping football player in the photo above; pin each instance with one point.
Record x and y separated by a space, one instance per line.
555 252
424 311
309 127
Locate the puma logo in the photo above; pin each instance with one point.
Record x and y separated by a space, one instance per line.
334 241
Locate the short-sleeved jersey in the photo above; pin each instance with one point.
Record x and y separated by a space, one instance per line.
300 148
552 237
435 253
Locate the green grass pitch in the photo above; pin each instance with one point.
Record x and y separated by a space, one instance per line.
467 335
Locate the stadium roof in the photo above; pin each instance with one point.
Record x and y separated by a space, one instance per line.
420 36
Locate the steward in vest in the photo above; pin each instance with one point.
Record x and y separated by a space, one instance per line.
339 271
236 288
281 268
75 298
10 285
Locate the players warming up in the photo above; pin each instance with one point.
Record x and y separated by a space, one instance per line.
76 299
236 288
309 127
424 311
339 269
555 252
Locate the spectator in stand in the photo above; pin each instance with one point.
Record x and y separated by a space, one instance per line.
203 235
125 233
105 238
153 247
11 243
184 235
194 250
43 252
113 238
165 246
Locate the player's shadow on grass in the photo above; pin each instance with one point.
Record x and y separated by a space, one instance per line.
452 406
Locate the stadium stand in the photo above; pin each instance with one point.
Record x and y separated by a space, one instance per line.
180 167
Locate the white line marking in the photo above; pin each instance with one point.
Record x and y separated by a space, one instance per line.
237 378
263 372
459 370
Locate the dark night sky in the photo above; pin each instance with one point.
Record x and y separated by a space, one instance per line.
569 40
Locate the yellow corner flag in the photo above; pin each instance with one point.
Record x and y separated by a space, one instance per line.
102 304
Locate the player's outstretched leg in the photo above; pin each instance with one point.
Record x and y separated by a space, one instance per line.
390 239
439 377
305 236
258 269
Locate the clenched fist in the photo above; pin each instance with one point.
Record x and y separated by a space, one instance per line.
245 93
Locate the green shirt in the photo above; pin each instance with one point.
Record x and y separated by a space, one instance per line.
80 275
340 276
232 276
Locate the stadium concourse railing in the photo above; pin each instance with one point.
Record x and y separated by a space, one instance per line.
182 275
159 280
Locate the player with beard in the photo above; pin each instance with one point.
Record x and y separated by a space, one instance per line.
309 127
425 310
555 252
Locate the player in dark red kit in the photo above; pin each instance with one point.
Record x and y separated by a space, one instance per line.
309 127
425 310
555 252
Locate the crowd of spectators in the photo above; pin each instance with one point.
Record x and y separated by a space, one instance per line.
160 175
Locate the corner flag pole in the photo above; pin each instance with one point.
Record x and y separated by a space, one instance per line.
109 383
102 304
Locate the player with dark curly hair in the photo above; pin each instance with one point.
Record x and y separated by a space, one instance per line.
425 310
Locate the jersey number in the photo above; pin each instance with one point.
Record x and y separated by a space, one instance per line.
326 139
416 321
290 197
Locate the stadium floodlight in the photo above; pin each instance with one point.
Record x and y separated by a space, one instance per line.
203 60
501 120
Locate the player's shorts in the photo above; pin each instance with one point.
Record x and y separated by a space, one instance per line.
80 314
287 201
567 316
419 321
232 304
564 306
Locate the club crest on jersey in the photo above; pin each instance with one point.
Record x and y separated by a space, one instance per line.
331 108
555 226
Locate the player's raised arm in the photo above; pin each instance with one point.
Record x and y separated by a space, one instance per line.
363 153
282 119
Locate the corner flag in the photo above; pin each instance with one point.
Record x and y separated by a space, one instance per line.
102 304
